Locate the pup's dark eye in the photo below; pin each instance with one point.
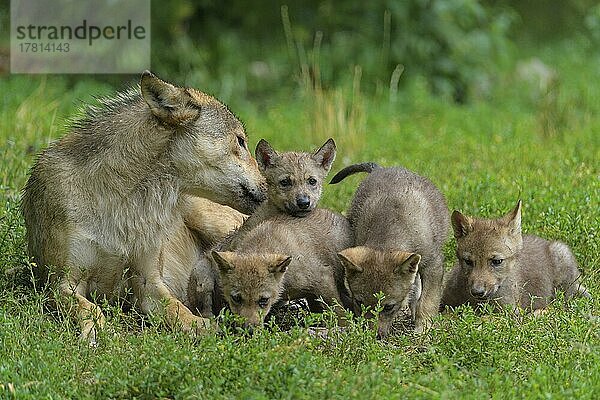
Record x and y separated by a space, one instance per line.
241 142
388 308
236 298
263 302
468 261
287 182
312 181
497 261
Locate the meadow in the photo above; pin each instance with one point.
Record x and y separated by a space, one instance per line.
519 141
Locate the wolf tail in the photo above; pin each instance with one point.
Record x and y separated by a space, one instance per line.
353 169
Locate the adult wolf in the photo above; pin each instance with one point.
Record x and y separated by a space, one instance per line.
106 205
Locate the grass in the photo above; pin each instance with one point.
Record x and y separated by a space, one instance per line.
483 156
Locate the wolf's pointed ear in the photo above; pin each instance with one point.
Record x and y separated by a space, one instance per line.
278 263
410 263
168 103
265 155
461 224
351 259
513 219
223 259
325 155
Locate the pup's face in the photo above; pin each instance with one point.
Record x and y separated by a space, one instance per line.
295 180
487 250
370 271
251 283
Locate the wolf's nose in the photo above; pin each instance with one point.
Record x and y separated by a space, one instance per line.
478 292
303 202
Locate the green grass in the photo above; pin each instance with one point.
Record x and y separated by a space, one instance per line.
483 156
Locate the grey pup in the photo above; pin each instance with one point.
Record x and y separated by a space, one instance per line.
393 273
286 258
294 187
287 249
395 209
105 206
498 264
294 184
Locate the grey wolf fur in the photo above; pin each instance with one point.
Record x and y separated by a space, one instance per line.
105 206
395 209
497 264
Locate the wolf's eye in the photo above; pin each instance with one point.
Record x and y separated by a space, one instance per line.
312 181
263 302
287 182
236 298
468 262
241 142
497 261
388 308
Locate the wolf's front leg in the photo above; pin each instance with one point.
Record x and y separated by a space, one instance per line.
179 316
212 221
158 297
428 305
157 289
89 315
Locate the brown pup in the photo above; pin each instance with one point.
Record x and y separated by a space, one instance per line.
106 205
497 264
391 272
294 184
282 259
286 224
395 209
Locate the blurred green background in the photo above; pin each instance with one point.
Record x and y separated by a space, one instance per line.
262 50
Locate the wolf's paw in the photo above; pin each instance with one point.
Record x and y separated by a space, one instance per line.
89 335
90 329
199 326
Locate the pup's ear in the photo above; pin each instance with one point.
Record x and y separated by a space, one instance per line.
352 258
170 104
278 263
513 219
461 224
224 260
325 155
409 263
265 155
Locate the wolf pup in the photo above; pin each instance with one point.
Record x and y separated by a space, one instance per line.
394 273
395 209
294 187
294 184
282 259
496 263
287 249
105 206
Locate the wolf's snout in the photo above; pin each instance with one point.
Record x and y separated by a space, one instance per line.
478 291
257 195
303 202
